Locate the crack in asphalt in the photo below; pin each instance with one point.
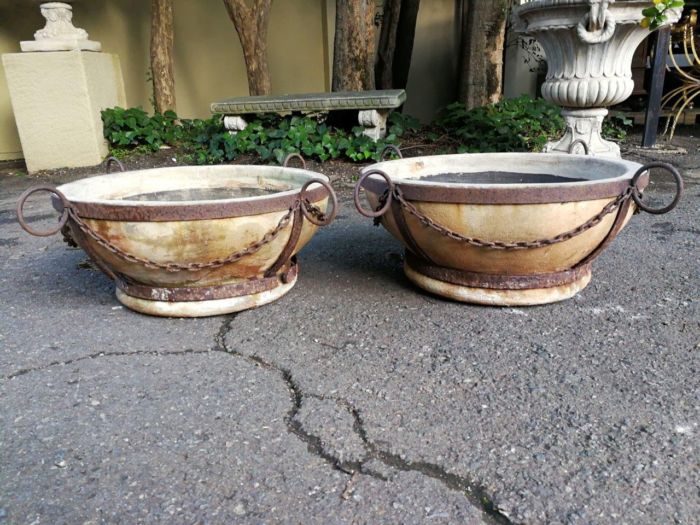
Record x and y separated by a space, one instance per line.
476 494
25 371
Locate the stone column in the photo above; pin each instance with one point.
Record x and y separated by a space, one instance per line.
58 86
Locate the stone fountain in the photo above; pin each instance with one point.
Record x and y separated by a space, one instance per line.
589 46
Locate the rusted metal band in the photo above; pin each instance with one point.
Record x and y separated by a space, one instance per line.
291 156
312 213
615 229
114 160
496 282
80 239
644 170
206 293
288 251
391 148
389 191
59 201
505 193
402 225
126 211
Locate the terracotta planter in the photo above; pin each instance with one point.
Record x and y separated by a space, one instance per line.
503 228
195 241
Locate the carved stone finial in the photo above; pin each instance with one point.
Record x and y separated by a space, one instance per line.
59 34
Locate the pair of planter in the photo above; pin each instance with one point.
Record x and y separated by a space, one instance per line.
496 229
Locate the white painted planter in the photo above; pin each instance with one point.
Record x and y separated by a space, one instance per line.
589 46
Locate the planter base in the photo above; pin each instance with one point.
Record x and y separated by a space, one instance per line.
499 297
205 308
584 125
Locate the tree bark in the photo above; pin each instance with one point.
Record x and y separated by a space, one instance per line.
384 70
353 49
481 57
162 69
396 43
404 42
251 21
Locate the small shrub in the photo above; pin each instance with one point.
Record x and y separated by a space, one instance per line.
269 137
133 127
520 124
616 127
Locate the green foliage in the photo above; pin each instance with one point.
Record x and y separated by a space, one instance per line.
616 127
271 138
520 124
132 128
400 123
655 15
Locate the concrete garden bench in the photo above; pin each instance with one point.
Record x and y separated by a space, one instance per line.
373 106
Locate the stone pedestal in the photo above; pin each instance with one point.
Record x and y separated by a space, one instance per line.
584 128
57 98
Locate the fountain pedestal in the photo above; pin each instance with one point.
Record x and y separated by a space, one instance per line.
589 46
584 125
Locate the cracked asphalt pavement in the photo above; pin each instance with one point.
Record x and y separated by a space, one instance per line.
356 398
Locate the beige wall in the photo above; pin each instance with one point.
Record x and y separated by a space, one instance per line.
432 81
208 58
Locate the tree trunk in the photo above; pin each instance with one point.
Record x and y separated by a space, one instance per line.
251 22
353 49
396 43
481 57
162 36
404 42
384 70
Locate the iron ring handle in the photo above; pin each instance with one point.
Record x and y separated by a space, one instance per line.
331 195
392 148
291 156
583 143
387 204
637 196
20 210
114 160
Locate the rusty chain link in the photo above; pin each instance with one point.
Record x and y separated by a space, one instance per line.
501 245
193 267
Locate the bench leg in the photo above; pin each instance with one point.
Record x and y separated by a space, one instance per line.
375 122
234 124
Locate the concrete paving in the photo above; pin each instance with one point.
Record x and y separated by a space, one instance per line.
356 398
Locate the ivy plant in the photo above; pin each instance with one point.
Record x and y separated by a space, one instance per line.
269 137
655 16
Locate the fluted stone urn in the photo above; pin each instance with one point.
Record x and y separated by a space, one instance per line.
589 46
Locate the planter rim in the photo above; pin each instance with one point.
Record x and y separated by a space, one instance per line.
620 173
99 207
535 5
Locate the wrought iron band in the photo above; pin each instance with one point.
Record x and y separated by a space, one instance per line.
395 195
301 208
496 281
475 194
207 293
